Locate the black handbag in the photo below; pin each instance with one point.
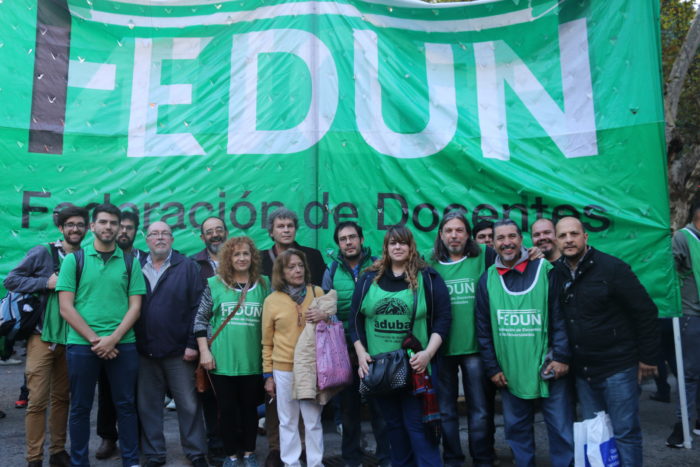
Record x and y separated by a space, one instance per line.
389 371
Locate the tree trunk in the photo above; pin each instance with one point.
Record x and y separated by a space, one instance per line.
684 184
676 79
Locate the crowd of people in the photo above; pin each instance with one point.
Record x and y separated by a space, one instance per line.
556 326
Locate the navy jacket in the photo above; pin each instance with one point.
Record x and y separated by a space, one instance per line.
517 281
437 298
164 328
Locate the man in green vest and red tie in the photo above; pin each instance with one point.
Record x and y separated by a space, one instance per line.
524 347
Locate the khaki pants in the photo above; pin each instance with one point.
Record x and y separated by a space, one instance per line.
47 380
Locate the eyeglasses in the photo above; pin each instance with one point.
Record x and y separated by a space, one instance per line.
159 235
349 238
217 230
73 225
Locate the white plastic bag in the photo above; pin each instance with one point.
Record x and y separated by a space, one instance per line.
594 443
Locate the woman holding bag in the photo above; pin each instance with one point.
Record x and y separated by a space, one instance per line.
285 313
231 312
397 297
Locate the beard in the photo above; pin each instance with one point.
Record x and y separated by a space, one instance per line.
125 242
214 249
76 243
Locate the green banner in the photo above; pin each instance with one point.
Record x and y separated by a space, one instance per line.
384 113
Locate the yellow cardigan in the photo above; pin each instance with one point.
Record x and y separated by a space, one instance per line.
280 329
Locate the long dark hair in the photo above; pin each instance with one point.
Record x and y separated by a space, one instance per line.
471 249
414 264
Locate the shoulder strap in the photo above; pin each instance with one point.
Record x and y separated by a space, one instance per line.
129 263
79 263
241 299
53 249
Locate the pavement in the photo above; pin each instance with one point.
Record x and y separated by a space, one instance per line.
657 420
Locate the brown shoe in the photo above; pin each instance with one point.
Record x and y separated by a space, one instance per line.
60 459
107 449
273 458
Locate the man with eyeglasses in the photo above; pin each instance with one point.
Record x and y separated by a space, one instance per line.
128 226
348 262
167 348
612 327
46 370
99 293
214 234
524 347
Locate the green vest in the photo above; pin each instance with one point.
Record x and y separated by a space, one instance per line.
461 278
519 322
388 317
237 350
54 328
694 248
344 284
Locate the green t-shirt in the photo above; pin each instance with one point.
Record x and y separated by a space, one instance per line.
519 323
237 350
103 294
461 278
388 317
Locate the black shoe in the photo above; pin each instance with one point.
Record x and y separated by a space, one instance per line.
676 438
660 397
154 463
200 462
60 459
107 449
35 464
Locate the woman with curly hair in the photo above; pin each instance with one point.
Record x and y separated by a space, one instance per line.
234 360
383 302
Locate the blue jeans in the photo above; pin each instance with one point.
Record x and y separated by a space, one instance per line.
409 446
618 395
83 370
351 407
479 395
558 412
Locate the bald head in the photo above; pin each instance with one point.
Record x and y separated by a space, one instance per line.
159 238
572 239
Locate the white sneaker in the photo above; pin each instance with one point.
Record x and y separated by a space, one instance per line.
171 405
10 361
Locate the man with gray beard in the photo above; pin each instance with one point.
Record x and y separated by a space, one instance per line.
214 234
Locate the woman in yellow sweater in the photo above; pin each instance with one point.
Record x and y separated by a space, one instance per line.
285 312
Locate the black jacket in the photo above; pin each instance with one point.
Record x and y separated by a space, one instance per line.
610 318
164 328
206 270
313 257
437 299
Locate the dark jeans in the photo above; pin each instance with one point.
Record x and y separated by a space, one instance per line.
106 413
211 421
83 370
238 398
558 412
618 395
351 410
479 396
409 446
690 338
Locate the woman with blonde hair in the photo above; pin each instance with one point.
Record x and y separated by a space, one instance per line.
234 359
398 290
285 313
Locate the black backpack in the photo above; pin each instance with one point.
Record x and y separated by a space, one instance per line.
80 264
